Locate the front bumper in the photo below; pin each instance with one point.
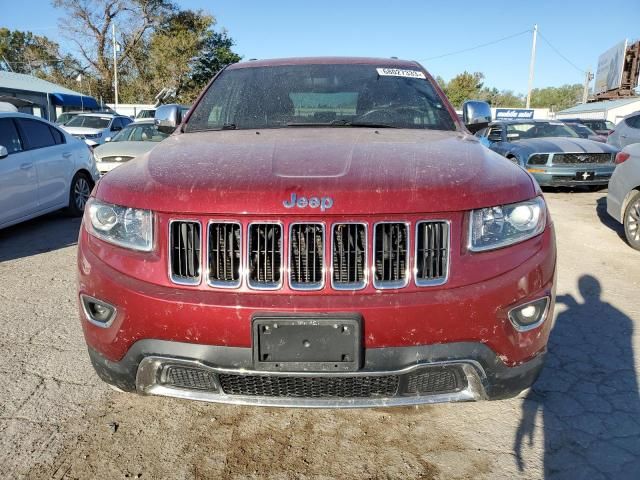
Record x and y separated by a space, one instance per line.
406 375
572 176
106 167
463 331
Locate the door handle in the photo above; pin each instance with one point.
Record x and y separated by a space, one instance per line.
623 136
26 166
66 154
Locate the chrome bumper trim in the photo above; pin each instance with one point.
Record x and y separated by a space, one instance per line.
150 367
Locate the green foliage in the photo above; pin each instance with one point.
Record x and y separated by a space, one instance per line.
36 55
557 98
501 98
463 86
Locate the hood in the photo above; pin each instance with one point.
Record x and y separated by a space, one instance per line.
129 149
563 144
82 130
362 170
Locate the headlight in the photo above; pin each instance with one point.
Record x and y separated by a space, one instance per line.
497 227
126 227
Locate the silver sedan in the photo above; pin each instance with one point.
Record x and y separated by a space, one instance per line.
623 199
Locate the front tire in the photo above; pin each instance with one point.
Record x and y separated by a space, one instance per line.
79 193
632 221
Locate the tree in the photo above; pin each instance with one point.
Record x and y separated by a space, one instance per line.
464 86
501 98
215 55
557 98
33 54
88 24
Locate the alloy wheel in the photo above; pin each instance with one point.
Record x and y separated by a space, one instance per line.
81 192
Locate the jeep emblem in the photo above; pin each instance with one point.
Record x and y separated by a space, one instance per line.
325 203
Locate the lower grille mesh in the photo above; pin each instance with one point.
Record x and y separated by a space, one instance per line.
190 378
309 387
434 380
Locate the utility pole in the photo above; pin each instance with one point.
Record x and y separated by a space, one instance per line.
585 92
115 65
532 63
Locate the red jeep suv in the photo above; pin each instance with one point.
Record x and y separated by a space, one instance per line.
318 232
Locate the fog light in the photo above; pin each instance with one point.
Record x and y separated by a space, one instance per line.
530 315
98 312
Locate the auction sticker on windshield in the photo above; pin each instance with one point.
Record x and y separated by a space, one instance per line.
396 72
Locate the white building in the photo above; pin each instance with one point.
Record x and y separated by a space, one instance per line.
612 110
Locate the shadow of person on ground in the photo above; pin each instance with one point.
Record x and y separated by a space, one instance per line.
43 234
586 402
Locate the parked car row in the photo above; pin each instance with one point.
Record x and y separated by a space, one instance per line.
42 169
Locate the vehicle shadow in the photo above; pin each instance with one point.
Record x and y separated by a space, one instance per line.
43 234
606 219
586 402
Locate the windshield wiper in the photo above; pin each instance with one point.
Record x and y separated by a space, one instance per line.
340 123
228 126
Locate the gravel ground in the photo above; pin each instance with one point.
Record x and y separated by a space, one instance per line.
581 419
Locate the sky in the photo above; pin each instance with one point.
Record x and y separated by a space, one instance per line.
410 29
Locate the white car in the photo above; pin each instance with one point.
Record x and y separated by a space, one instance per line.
623 197
42 169
94 128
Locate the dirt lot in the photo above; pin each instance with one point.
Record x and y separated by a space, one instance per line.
581 420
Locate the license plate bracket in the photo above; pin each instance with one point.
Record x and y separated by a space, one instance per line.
585 176
307 343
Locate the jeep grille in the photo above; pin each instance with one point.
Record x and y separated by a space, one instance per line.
225 252
306 256
185 250
265 256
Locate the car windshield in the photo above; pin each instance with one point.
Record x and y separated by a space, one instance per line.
89 121
146 114
65 117
321 95
582 130
519 131
140 133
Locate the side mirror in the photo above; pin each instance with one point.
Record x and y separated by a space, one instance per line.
476 115
116 128
168 117
108 139
3 152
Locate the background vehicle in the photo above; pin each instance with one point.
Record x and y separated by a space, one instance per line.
600 126
316 234
42 169
552 152
585 132
94 128
626 132
146 113
623 196
133 140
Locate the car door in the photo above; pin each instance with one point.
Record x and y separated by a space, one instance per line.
53 161
18 177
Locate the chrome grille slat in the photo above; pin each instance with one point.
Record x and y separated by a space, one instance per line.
185 252
391 254
225 253
265 256
306 262
306 256
432 252
349 256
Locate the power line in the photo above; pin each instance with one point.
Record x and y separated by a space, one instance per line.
561 55
477 46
